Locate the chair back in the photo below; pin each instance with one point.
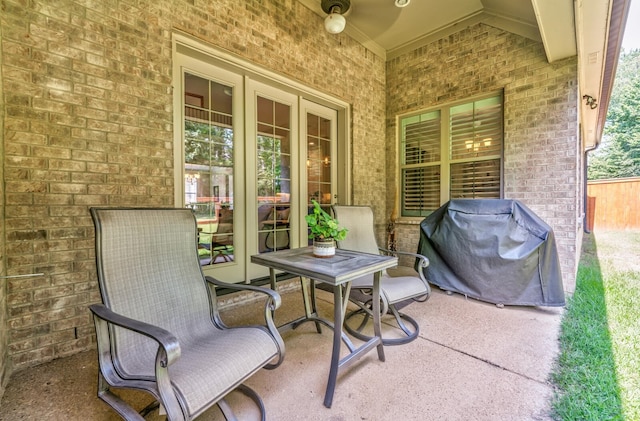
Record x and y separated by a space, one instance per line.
359 221
148 270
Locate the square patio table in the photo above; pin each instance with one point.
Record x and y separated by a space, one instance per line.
337 271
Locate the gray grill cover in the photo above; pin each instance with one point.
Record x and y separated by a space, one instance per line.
492 250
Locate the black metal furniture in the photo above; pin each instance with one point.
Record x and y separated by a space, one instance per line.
338 272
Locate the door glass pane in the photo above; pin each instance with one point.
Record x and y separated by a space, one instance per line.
273 174
208 165
319 161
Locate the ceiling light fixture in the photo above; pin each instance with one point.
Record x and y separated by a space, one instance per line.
335 22
402 3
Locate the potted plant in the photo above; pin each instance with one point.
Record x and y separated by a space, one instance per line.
324 231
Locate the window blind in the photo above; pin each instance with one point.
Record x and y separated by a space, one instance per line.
475 180
421 190
421 163
475 145
466 148
476 129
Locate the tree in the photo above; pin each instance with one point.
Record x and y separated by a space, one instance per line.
619 154
208 144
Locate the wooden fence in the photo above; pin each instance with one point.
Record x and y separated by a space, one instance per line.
613 204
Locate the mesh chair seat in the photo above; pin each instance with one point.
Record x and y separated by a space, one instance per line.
394 289
214 356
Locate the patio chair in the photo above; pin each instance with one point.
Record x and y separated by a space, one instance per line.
158 328
276 224
216 247
398 286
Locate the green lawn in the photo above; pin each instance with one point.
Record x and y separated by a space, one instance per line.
598 369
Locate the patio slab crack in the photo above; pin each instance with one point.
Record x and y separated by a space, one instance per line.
486 361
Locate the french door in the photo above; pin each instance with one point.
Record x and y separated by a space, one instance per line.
272 167
253 157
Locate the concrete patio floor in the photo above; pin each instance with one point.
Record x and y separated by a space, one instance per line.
472 361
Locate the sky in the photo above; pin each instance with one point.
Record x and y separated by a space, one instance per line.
631 38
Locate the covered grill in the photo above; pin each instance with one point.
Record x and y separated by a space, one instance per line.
493 250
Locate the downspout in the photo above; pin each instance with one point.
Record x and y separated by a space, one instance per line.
585 226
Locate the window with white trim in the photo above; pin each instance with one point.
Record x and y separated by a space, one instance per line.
450 153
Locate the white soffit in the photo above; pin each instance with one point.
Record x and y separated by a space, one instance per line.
592 17
557 28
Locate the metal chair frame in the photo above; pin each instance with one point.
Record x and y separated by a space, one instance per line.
362 228
169 348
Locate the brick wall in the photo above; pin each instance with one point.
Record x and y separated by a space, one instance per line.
4 336
541 153
89 122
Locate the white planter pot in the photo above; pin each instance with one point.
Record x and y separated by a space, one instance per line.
324 248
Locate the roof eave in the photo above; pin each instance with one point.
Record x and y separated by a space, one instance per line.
600 28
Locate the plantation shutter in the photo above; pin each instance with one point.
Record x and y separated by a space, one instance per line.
450 153
421 163
475 149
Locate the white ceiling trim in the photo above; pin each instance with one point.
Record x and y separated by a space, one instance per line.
557 27
486 17
363 39
442 32
516 26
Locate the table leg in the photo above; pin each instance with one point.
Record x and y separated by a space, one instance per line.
337 338
272 278
376 314
272 281
310 310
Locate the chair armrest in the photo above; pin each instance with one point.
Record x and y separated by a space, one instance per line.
168 352
164 338
423 261
273 302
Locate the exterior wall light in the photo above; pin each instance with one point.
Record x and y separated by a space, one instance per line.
590 101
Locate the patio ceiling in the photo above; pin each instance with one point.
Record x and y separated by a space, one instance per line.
591 29
390 31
